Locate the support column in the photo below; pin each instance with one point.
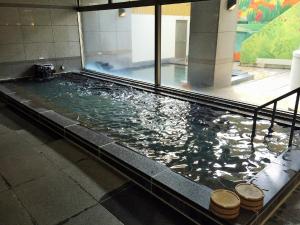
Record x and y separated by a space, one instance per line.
212 36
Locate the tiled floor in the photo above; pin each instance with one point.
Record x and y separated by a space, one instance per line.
266 85
44 180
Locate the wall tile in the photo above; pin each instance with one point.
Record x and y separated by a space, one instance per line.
228 19
64 17
200 74
35 16
39 51
67 49
109 41
63 2
223 75
9 16
205 16
33 2
124 41
225 46
11 52
92 42
108 20
10 34
37 34
72 64
65 33
203 46
90 21
124 23
27 35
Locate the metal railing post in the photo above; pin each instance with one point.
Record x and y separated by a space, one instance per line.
254 126
273 117
294 119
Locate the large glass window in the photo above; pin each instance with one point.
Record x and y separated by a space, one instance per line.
120 42
92 2
175 27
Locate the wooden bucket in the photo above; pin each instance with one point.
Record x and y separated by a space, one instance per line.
252 197
225 204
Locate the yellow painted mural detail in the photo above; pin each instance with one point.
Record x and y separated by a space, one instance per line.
183 9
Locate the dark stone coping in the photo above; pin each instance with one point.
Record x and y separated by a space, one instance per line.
188 197
6 90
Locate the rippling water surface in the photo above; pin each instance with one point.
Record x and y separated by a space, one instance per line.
201 143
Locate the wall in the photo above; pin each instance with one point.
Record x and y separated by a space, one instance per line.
37 32
254 15
276 40
212 36
107 38
142 52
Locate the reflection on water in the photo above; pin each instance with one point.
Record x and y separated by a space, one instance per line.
203 144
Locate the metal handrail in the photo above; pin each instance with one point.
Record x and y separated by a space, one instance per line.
274 102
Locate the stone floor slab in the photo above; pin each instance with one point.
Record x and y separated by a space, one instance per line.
21 168
53 199
12 144
11 211
2 105
61 153
96 178
3 185
4 130
9 119
94 216
134 206
35 136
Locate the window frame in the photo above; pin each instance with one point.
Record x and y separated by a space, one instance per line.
157 23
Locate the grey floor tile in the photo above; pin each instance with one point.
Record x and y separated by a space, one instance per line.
4 130
135 206
35 136
12 144
61 153
11 120
96 215
11 211
53 199
2 105
95 177
21 168
3 185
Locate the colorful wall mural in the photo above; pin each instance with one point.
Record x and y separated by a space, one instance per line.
267 29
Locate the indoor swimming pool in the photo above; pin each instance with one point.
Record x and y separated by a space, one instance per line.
206 145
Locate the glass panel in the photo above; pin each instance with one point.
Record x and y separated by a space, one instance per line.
116 1
117 43
175 44
92 2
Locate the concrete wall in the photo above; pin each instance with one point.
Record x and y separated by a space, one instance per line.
212 36
44 31
142 52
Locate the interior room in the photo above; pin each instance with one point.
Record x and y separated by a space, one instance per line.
167 112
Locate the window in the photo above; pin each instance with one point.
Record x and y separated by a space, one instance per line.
92 2
120 42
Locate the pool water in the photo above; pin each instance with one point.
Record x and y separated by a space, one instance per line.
209 146
172 75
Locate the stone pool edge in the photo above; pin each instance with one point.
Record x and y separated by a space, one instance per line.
186 196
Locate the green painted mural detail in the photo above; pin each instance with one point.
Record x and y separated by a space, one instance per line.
276 40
